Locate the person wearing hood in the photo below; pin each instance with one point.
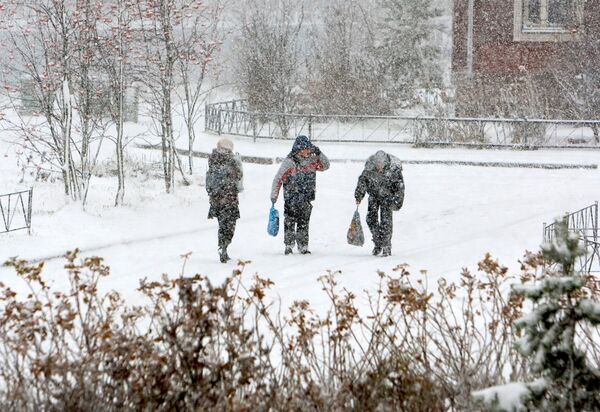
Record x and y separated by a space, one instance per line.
297 175
223 183
382 180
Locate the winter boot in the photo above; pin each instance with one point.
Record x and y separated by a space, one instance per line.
386 251
376 250
304 250
223 256
288 250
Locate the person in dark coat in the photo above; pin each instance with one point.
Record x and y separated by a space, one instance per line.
223 182
297 175
382 180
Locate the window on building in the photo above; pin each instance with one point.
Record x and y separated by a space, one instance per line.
548 13
532 11
547 20
561 13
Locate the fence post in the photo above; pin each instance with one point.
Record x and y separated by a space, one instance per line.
219 122
544 232
29 208
310 126
253 126
596 223
206 119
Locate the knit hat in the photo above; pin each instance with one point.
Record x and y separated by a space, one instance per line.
225 144
302 142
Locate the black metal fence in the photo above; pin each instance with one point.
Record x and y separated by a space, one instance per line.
15 211
584 222
234 117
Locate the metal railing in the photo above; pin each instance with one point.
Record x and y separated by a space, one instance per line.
15 211
584 222
233 117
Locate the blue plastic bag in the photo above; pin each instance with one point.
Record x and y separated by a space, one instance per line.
273 226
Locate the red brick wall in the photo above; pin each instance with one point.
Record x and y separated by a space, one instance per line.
498 61
493 45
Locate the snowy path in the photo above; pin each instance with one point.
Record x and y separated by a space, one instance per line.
136 242
452 217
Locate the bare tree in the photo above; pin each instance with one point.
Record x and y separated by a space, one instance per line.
115 43
160 22
50 47
269 56
157 63
345 75
87 94
197 40
579 82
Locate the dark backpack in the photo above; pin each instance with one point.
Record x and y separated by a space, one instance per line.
222 176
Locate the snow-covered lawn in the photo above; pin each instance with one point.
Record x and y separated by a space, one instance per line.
451 218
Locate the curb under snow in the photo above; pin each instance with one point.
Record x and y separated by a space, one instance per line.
528 165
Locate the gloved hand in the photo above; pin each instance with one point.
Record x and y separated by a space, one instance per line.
316 150
273 201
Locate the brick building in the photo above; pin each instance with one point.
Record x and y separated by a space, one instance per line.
510 57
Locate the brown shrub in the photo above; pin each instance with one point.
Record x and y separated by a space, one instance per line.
197 346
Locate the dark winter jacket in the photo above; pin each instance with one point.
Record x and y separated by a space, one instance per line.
297 174
222 183
386 186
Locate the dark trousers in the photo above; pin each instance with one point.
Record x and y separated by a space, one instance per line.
227 223
296 222
380 222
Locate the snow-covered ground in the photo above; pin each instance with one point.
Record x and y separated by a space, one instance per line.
452 216
277 148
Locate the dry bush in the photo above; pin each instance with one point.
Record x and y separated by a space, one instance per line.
431 132
81 350
196 346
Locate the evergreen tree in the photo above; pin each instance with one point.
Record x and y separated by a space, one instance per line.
410 58
567 381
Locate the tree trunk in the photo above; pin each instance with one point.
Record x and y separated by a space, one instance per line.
167 82
120 120
120 166
191 138
165 154
67 120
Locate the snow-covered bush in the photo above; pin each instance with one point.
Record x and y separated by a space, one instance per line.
553 343
133 167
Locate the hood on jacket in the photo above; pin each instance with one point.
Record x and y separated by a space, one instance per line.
219 155
383 159
302 142
380 158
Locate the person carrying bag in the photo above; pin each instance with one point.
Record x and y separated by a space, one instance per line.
297 176
382 180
